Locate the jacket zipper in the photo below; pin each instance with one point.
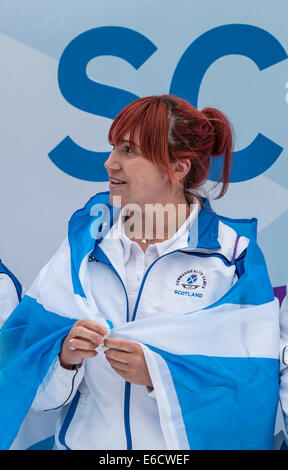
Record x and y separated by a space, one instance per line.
127 384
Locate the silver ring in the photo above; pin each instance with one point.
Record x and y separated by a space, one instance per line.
71 347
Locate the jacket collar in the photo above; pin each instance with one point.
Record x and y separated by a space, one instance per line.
204 232
89 225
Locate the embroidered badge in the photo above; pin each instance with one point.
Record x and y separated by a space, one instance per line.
192 281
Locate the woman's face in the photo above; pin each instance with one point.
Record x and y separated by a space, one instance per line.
134 178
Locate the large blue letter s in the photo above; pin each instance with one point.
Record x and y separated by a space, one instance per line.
250 41
93 97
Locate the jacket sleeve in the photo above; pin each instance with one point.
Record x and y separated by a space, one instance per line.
58 387
284 359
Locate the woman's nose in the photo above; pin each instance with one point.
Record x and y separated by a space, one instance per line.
112 162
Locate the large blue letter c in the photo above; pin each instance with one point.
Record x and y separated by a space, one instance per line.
250 41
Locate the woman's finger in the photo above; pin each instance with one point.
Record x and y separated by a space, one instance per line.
118 366
82 332
118 355
121 344
76 344
69 357
92 325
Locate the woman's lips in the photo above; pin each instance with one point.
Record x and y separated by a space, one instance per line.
114 182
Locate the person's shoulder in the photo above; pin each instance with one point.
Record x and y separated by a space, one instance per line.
96 214
246 227
233 234
98 205
232 241
242 227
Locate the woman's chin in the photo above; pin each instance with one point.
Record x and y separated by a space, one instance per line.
116 199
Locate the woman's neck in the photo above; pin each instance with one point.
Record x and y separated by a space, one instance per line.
156 222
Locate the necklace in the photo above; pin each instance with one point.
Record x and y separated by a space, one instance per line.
145 240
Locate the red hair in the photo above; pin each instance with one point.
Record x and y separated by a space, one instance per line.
171 129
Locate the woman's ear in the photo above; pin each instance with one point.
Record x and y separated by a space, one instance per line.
181 168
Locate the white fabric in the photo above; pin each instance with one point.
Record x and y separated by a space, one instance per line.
91 426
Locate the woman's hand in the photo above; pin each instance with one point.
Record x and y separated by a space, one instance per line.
81 342
127 359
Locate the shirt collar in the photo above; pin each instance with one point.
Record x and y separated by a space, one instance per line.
178 240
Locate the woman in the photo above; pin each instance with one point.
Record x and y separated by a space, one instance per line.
137 283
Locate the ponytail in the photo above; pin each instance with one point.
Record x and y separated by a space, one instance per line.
221 145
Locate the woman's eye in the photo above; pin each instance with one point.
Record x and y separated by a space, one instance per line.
124 148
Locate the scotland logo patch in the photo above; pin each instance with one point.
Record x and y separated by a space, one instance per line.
192 281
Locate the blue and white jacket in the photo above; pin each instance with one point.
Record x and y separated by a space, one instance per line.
212 351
